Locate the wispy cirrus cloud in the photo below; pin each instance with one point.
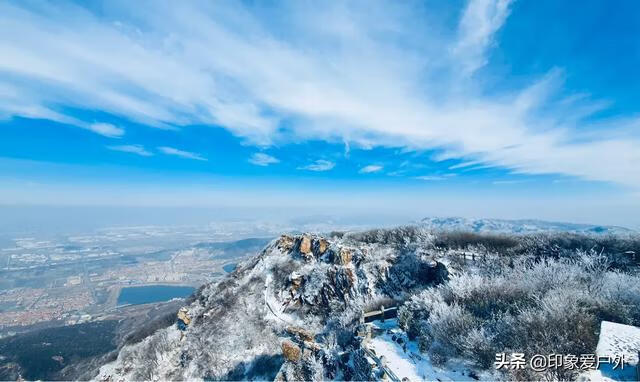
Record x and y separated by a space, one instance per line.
430 177
370 168
106 129
181 153
262 159
510 181
319 165
133 149
464 165
282 67
480 20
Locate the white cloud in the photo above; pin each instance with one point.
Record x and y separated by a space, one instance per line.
134 149
106 129
480 20
180 153
513 181
347 149
370 168
261 159
430 177
464 165
283 65
319 165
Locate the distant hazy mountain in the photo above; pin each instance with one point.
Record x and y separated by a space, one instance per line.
517 226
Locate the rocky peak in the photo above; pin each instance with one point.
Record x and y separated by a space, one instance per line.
299 301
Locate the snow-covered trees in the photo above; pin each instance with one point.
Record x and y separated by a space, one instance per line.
536 307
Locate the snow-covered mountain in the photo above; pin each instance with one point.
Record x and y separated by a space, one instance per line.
290 312
295 311
517 226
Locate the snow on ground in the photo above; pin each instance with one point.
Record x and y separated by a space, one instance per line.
274 307
405 360
619 339
616 340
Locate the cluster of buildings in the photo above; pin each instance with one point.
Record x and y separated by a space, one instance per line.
75 298
27 306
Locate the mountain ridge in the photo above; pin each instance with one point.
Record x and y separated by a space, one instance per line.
293 311
518 226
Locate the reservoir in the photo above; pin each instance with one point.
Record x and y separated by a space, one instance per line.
152 293
230 267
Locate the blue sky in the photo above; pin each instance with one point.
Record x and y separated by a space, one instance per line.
491 108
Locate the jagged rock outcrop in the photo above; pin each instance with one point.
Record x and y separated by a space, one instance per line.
183 315
285 243
304 247
291 351
343 256
300 333
320 246
290 311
